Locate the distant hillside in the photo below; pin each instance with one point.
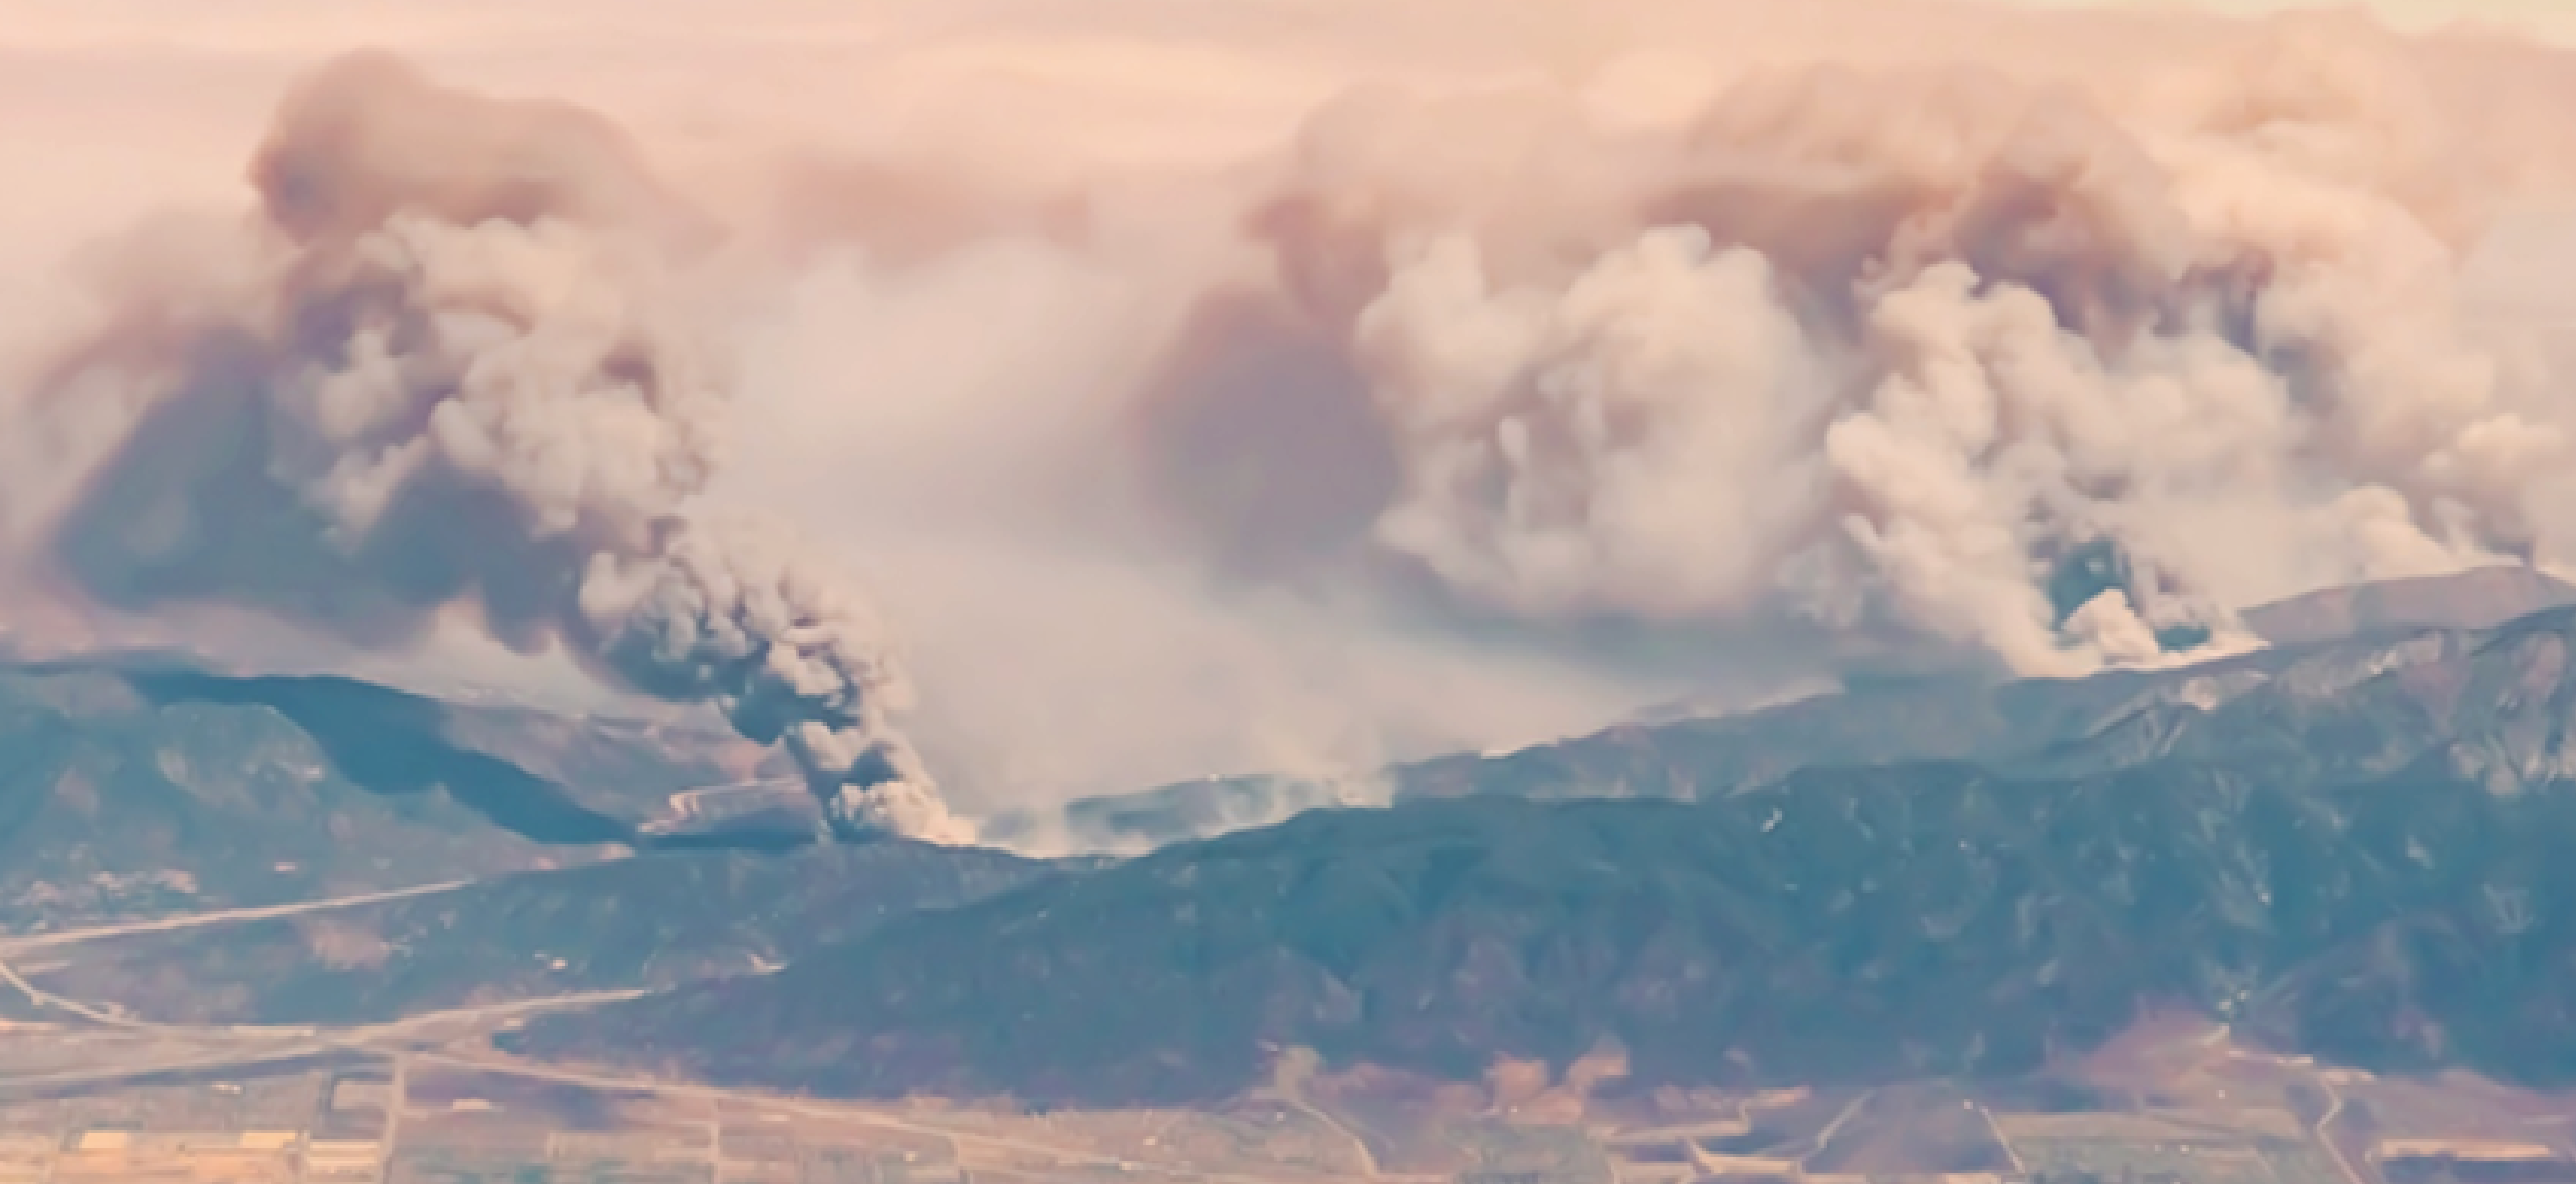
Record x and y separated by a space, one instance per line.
2356 850
2111 720
144 785
653 921
2477 599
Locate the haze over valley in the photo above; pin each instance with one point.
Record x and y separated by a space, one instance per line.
1288 590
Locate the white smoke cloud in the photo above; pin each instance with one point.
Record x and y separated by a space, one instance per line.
1639 442
516 358
1196 402
1907 344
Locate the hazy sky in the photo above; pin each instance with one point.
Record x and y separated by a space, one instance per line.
942 390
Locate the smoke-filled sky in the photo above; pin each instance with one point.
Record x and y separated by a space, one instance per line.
1040 398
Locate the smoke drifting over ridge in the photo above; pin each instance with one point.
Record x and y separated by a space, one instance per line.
1485 405
1978 358
455 376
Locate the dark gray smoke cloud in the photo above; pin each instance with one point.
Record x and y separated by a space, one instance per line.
458 375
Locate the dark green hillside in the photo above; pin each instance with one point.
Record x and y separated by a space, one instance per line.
1914 920
652 921
142 786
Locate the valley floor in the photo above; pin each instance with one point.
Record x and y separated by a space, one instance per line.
89 1092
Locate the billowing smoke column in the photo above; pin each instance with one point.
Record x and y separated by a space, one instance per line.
456 373
1933 356
1940 350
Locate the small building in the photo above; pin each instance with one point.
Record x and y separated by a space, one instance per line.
343 1159
103 1141
2471 1161
2465 1150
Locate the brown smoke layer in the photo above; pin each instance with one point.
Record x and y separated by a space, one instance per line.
2059 373
1220 389
457 376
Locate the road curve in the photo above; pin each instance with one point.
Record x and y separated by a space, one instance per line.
14 946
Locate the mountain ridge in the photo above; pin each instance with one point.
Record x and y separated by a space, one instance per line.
2008 724
142 785
2310 844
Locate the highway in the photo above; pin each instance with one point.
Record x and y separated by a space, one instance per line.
1825 1138
2321 1131
417 1040
860 1115
226 1044
11 947
685 805
1290 1089
438 1037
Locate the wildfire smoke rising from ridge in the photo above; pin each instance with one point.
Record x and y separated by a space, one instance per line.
1541 378
1915 343
451 377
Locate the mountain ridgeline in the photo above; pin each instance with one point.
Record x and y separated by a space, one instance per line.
2351 848
2280 704
530 853
139 785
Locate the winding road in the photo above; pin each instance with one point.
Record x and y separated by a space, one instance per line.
13 946
415 1040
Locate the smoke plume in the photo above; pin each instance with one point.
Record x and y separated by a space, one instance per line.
1295 387
2059 375
459 374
